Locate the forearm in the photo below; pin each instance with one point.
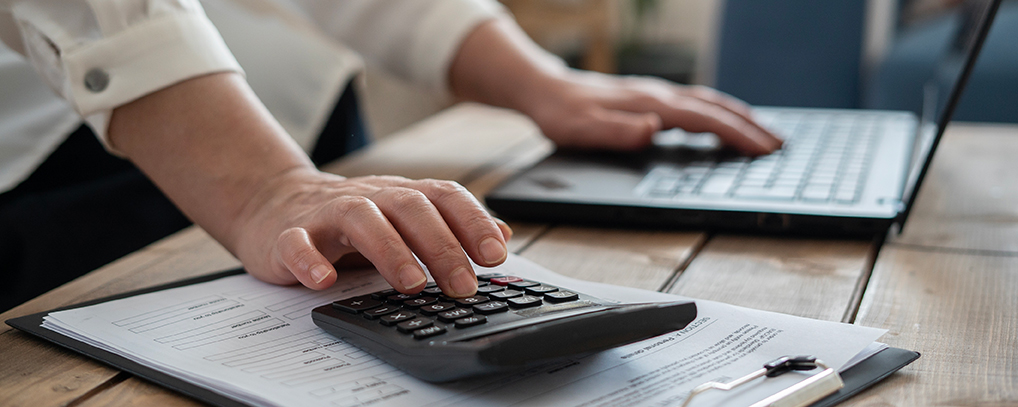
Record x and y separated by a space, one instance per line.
497 64
209 144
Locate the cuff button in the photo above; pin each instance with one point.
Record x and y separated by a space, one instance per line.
96 80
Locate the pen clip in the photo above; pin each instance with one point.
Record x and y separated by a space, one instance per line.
801 394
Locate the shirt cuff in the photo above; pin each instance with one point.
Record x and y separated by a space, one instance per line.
441 32
139 60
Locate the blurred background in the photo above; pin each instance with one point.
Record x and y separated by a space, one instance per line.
830 53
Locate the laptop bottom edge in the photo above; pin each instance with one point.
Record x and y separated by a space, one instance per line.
692 219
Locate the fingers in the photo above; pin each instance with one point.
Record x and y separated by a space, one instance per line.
389 220
298 256
482 238
507 232
698 115
428 234
609 129
730 103
355 223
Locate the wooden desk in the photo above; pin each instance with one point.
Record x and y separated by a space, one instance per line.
948 287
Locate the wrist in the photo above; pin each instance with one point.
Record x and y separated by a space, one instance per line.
256 218
497 64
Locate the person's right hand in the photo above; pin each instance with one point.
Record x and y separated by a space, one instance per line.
305 220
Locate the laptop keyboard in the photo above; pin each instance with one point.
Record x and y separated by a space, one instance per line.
824 159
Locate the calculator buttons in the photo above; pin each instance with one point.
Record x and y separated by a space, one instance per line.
561 296
469 301
523 284
488 289
491 307
420 302
428 332
540 290
399 298
471 321
356 304
505 280
382 295
414 324
432 291
505 295
436 308
489 276
380 311
526 301
395 318
452 315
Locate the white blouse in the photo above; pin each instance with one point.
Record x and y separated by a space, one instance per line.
81 59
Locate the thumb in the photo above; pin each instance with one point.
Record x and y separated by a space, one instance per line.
295 252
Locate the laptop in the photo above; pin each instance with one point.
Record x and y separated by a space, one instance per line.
840 172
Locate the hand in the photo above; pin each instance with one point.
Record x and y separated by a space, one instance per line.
498 65
305 220
211 146
591 110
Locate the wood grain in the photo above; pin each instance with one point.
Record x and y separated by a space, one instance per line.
806 277
188 253
961 313
946 287
461 144
970 199
140 393
641 259
35 373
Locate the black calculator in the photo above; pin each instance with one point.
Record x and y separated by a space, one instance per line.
510 324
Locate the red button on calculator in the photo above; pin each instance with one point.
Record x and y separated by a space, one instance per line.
504 281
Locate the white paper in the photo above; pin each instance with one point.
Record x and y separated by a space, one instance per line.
256 342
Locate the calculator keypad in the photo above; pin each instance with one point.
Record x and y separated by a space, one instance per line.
415 314
492 307
414 324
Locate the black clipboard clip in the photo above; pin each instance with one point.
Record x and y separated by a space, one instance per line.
801 394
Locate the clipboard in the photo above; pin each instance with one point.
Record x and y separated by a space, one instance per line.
856 379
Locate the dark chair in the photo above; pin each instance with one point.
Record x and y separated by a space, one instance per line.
808 53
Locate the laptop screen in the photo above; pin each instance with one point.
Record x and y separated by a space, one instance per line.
942 92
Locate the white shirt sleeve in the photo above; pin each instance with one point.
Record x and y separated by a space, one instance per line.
100 54
413 39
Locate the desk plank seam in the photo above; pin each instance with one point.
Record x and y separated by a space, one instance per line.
953 250
855 302
113 381
535 238
694 252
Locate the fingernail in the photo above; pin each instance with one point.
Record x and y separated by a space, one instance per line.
411 276
319 273
463 282
507 232
492 251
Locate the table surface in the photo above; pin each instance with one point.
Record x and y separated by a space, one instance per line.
947 287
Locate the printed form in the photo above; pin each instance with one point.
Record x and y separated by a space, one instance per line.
256 343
